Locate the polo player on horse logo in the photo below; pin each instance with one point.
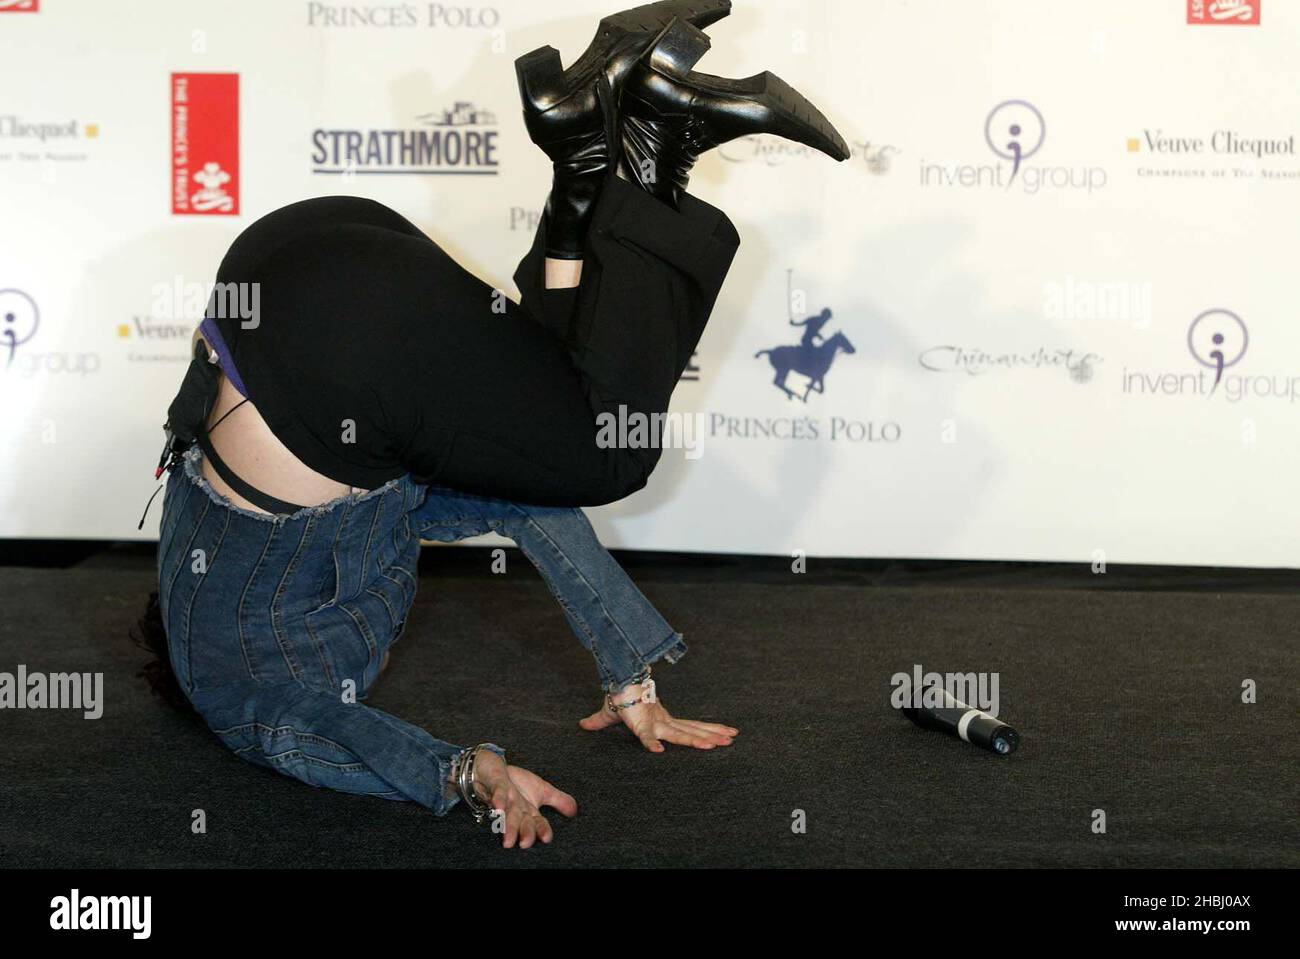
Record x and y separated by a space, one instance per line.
810 358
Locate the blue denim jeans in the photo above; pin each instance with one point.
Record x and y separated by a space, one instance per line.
278 625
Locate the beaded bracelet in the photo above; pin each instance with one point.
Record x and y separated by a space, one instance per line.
647 695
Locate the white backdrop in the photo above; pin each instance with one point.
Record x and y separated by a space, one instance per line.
1030 379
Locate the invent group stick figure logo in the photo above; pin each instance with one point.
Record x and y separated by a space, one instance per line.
1015 131
812 356
19 319
1218 339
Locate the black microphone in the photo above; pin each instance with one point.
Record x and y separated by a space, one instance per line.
965 722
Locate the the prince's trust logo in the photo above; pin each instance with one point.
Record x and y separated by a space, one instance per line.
1224 12
211 196
205 144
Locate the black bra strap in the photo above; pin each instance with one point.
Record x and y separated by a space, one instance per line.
253 495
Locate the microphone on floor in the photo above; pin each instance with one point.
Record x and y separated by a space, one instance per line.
965 722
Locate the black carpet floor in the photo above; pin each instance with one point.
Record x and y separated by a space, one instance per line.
1129 701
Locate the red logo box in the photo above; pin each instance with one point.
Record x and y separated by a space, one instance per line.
1240 13
205 144
20 6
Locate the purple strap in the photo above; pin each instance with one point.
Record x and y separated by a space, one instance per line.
208 328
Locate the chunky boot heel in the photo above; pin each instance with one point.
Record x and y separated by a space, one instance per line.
622 37
763 103
539 72
570 113
678 48
671 114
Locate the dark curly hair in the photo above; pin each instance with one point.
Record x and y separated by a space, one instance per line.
151 636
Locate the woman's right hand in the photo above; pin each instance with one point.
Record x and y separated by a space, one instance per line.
518 796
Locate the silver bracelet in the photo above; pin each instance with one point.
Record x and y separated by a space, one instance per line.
462 774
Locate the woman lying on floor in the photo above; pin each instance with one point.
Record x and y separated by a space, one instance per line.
382 395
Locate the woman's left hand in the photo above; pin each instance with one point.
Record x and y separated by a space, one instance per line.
651 722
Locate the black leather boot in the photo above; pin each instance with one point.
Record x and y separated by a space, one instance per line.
570 113
670 115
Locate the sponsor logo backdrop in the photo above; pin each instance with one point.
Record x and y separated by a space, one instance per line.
1046 311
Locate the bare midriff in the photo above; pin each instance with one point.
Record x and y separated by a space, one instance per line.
251 450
